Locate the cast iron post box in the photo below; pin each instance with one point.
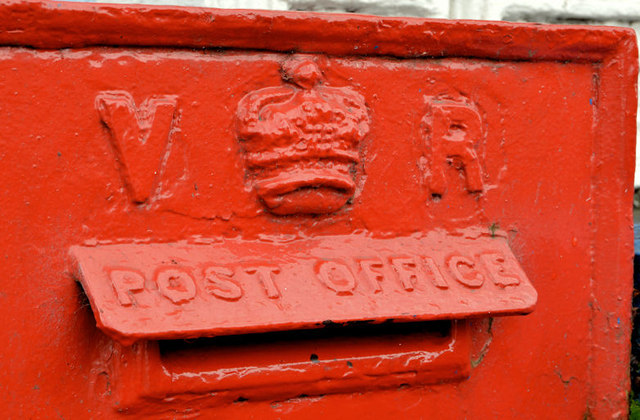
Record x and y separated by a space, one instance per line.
257 214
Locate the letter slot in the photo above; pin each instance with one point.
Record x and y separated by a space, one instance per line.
244 319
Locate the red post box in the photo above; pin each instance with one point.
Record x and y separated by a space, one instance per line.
257 214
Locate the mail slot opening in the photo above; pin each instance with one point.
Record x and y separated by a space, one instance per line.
399 305
287 364
334 342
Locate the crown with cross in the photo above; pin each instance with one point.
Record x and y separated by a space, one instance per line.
301 140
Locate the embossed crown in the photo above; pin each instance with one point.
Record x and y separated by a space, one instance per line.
301 140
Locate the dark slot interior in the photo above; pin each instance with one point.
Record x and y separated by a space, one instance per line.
331 331
330 342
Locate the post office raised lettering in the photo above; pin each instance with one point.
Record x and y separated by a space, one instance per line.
396 273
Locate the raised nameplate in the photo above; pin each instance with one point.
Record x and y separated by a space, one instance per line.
232 286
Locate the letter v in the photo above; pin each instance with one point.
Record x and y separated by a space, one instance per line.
139 136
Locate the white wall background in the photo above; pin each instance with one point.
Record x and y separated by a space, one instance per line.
584 12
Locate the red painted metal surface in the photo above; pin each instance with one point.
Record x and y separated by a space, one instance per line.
281 187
